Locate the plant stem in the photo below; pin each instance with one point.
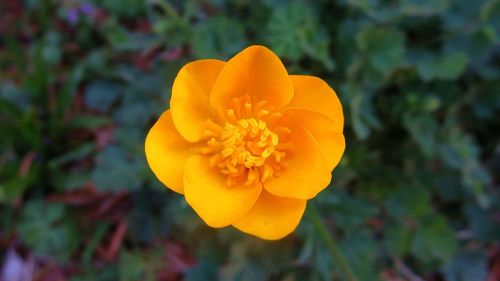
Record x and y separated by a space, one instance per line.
331 244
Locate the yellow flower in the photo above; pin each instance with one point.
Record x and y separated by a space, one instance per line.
246 143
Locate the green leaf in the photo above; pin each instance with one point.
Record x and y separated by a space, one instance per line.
481 222
384 47
205 270
459 148
350 212
476 178
100 231
218 37
475 44
424 7
114 33
448 66
363 117
461 152
89 121
51 50
107 273
124 8
100 95
378 11
137 42
139 265
409 202
471 265
423 129
284 29
12 188
397 238
115 170
434 239
77 153
151 215
489 10
46 230
69 180
12 98
134 113
360 250
293 32
487 103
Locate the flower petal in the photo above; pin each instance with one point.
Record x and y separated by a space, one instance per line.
216 203
272 217
257 72
306 172
190 103
166 152
314 94
323 129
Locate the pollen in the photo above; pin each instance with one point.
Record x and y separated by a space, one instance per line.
245 149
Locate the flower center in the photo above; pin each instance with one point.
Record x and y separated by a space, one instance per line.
246 150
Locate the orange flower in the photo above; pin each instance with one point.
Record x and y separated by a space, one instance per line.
246 143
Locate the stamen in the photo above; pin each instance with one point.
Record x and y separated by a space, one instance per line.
262 113
245 150
231 115
248 109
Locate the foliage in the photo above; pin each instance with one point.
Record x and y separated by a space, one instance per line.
417 188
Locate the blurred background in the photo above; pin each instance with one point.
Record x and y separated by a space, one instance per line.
416 196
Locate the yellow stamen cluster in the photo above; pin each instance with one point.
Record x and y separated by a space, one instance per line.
244 148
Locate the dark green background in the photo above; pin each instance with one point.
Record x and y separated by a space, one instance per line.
417 188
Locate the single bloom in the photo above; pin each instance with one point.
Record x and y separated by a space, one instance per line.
246 143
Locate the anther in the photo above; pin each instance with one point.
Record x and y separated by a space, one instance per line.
231 115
